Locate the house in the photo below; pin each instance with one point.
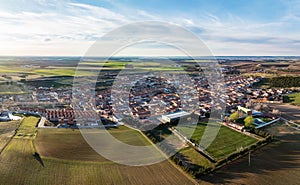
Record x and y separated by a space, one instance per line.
174 116
243 112
8 116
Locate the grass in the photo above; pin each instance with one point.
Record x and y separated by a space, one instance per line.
12 88
195 158
294 99
71 70
266 119
7 130
264 83
61 72
129 136
67 71
9 70
64 158
227 141
187 153
27 129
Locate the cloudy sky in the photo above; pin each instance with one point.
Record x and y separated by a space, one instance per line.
227 27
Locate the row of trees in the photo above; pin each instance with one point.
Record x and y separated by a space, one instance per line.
285 81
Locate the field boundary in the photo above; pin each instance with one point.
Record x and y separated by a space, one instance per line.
167 158
290 123
196 147
10 139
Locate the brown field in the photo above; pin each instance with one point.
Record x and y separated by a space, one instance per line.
272 68
277 163
66 159
48 145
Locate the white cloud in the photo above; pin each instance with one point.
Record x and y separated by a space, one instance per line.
82 23
66 28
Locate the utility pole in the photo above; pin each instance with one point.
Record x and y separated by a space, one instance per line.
249 158
160 135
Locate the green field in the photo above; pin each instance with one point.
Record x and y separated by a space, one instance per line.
84 69
196 158
27 129
187 153
12 88
293 99
7 130
65 158
226 142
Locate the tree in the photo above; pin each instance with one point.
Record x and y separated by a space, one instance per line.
234 116
249 121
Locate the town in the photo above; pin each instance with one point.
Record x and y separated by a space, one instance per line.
149 97
201 121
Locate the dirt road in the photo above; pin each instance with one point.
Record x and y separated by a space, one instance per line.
289 112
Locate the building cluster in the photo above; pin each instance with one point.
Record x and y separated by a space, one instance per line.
36 99
152 93
154 96
267 95
69 116
150 96
240 91
8 116
237 90
50 94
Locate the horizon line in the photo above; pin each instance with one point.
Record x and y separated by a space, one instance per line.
127 56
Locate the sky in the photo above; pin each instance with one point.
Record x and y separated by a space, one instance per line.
226 27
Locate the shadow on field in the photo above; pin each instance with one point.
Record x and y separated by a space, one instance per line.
287 99
278 162
38 158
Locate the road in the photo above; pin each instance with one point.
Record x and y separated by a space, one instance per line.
42 122
289 112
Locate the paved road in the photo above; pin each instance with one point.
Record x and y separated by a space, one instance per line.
42 122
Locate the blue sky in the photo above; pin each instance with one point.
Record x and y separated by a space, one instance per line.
70 27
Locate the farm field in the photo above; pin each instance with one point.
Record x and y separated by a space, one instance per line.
74 162
48 144
27 128
276 163
196 158
12 88
226 142
7 130
45 70
294 99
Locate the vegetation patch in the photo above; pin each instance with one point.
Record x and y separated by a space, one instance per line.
7 130
27 128
226 142
285 81
293 99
